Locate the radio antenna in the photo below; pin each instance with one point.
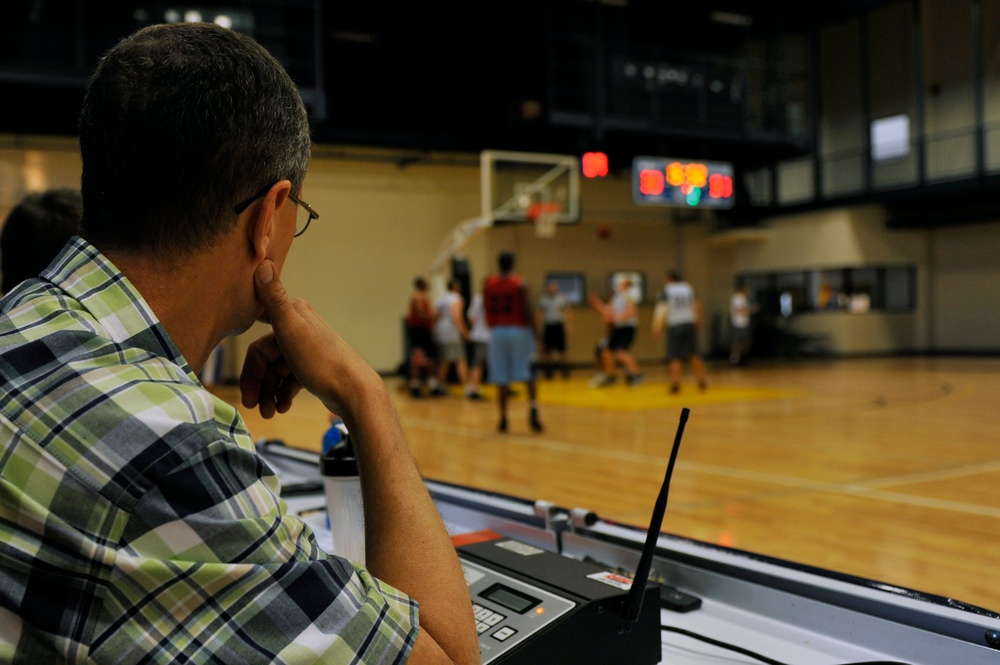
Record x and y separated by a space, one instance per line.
633 602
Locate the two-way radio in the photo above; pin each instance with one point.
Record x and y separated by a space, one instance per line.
537 606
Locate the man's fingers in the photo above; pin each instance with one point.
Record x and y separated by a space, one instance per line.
287 391
253 370
267 381
256 365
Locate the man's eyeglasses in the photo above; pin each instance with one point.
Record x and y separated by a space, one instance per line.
301 220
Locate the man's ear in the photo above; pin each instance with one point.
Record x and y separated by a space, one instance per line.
262 225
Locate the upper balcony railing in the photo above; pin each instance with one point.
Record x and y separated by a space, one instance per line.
959 156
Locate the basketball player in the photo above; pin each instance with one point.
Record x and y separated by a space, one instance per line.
680 311
512 337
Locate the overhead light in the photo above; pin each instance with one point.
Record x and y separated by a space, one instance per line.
228 17
730 18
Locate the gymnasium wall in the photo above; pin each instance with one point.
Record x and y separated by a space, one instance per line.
382 224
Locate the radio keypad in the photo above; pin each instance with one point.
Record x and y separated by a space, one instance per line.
486 618
503 633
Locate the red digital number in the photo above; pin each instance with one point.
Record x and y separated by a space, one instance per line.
650 182
595 165
720 186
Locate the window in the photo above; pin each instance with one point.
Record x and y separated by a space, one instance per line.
791 287
760 290
571 284
900 289
637 279
857 290
828 289
890 137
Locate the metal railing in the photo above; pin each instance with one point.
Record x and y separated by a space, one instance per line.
948 156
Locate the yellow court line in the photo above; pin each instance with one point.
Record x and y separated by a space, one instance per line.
650 396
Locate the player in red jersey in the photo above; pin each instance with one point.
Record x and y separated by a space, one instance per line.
420 317
512 337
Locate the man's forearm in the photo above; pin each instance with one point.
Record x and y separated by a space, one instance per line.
407 544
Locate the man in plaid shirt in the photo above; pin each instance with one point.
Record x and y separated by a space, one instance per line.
137 523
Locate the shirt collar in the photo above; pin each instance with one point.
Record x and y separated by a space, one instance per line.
91 279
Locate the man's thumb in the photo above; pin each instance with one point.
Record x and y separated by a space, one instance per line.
270 291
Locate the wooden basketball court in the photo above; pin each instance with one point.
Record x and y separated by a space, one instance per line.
886 468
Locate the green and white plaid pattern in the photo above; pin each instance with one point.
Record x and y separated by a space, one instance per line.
137 523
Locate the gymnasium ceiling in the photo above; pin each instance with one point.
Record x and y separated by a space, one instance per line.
726 79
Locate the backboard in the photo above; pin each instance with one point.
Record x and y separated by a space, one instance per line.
517 185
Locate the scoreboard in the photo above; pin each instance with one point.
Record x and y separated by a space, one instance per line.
682 183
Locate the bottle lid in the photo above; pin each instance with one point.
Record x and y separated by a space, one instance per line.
339 460
332 437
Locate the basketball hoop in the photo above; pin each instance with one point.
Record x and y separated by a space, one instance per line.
545 217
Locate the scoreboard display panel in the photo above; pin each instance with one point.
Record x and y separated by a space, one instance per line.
682 183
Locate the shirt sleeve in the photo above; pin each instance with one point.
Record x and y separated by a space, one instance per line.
212 567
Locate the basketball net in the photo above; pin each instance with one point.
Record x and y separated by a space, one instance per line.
545 217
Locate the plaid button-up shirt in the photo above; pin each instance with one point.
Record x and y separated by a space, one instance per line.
137 523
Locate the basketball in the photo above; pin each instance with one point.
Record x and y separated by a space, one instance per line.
603 231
